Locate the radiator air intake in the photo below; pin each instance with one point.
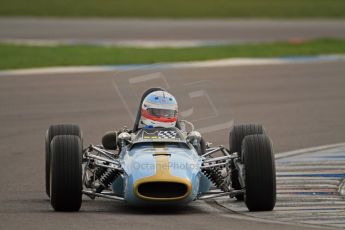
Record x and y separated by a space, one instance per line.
162 190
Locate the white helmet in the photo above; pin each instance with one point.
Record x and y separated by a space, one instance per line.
159 109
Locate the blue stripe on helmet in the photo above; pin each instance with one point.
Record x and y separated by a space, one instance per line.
161 100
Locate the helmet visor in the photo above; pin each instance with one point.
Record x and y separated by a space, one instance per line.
162 113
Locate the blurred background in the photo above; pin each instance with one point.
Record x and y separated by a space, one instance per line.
40 33
176 9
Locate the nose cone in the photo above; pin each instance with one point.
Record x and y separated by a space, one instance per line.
162 186
168 174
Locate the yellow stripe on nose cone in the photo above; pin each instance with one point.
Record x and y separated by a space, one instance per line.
162 165
162 175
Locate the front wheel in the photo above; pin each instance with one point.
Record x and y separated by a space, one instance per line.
260 176
66 173
55 130
237 134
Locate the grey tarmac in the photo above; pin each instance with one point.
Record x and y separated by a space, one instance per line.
301 105
139 31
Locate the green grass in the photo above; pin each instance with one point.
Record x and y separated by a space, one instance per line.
22 56
176 8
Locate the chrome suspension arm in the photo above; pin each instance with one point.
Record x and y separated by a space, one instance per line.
224 158
231 193
102 151
107 157
93 194
221 148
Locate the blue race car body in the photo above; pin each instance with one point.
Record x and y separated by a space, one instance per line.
160 166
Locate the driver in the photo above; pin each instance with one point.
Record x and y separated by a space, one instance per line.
159 109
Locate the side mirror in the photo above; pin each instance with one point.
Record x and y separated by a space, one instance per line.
194 137
109 140
124 138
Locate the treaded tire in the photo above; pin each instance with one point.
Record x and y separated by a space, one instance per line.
237 134
55 130
201 149
260 175
109 140
66 173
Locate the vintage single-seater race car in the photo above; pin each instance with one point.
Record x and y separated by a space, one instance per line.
159 166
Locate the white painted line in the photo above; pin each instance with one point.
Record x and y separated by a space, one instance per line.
307 188
305 197
309 179
310 208
333 222
310 203
119 43
311 163
306 150
192 64
312 217
55 70
299 213
312 213
308 167
342 188
307 183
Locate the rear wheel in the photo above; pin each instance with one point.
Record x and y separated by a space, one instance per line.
66 173
260 176
237 134
55 130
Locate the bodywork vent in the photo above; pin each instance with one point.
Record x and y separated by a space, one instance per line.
162 190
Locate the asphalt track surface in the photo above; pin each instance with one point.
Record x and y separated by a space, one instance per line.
309 188
129 30
301 105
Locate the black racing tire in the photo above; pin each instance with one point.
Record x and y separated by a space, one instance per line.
66 173
260 174
237 134
55 130
109 140
201 148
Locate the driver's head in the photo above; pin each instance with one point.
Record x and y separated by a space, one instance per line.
159 109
